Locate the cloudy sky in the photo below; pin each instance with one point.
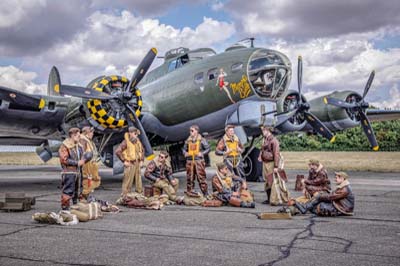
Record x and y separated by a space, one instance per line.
341 41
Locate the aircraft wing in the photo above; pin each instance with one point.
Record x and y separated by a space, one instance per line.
383 115
25 116
21 99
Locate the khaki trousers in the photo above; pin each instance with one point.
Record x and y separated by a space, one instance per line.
91 178
267 169
167 188
132 174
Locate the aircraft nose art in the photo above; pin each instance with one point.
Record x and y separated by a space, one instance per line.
269 73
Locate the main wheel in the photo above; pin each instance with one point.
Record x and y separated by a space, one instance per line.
252 167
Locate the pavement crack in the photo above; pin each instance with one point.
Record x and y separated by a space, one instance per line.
51 261
286 250
23 229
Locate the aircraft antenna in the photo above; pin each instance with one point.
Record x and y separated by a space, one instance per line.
251 42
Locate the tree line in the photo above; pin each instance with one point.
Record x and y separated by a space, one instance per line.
353 139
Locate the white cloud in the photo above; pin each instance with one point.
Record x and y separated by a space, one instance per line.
343 63
17 79
217 5
393 102
305 19
12 12
122 40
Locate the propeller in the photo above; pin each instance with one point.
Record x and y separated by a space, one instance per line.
123 97
136 78
142 68
143 137
302 108
21 98
85 93
358 108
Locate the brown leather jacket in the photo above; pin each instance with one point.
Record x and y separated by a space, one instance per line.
221 148
70 154
317 181
156 170
204 148
270 150
342 198
237 183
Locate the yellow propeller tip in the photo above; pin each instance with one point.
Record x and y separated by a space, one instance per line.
325 100
41 103
375 148
333 139
150 157
57 88
154 50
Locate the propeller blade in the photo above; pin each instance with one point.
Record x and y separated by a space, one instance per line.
21 98
338 103
369 82
142 68
86 93
299 75
319 127
366 125
283 117
148 151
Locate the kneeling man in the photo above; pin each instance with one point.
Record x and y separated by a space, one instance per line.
159 172
228 187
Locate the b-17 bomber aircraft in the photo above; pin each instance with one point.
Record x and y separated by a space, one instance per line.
244 85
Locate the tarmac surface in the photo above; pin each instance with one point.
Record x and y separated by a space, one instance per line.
182 235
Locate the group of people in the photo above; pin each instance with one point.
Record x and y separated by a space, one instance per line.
79 161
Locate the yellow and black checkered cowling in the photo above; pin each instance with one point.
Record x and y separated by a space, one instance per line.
101 113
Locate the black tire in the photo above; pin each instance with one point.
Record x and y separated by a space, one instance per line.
252 167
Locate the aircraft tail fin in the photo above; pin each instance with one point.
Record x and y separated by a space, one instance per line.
54 84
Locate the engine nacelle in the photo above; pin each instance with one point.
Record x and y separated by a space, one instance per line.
336 118
111 115
287 103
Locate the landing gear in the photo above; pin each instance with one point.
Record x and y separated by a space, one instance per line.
252 167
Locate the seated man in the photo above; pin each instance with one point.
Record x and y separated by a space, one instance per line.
159 172
317 181
339 202
227 187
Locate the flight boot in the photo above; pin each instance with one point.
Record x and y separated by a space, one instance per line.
268 191
308 206
247 204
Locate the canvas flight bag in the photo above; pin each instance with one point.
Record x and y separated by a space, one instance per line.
87 211
279 191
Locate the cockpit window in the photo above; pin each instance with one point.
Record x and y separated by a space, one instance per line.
172 66
269 73
177 63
